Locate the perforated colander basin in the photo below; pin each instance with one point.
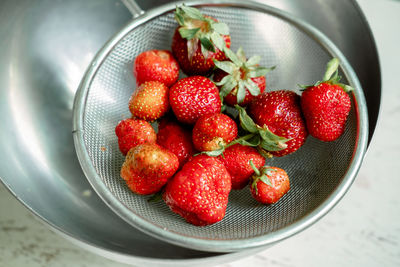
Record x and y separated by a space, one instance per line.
320 172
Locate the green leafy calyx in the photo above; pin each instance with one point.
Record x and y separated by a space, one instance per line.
331 76
263 174
259 137
195 27
267 139
240 72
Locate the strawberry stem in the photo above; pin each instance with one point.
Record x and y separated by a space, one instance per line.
221 149
331 76
256 171
331 67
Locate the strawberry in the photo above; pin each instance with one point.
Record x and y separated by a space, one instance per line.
279 113
193 97
199 191
149 101
156 65
269 184
198 40
240 80
213 131
148 167
177 139
326 105
133 132
236 160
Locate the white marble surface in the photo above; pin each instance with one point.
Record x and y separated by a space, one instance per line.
362 230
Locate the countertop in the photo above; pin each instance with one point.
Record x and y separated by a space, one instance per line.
362 230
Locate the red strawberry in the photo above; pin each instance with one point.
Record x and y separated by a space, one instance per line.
269 184
239 79
326 105
280 113
236 160
148 167
176 139
132 132
156 65
193 97
213 131
150 101
199 191
198 41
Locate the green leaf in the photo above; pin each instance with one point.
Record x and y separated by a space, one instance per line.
228 86
272 145
317 83
253 141
188 33
331 68
215 153
259 71
217 39
220 28
254 181
223 107
265 179
335 78
303 86
226 66
240 54
207 44
254 60
271 141
267 135
192 12
346 88
241 93
179 18
224 80
246 122
267 171
232 56
252 87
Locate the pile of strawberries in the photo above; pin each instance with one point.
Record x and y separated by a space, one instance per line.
202 150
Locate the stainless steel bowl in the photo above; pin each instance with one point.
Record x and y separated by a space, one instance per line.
321 172
45 47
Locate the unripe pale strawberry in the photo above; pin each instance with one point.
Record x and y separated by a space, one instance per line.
148 167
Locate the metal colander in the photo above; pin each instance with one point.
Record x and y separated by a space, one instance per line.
320 172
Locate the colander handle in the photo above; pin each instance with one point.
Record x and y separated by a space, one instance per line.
133 7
